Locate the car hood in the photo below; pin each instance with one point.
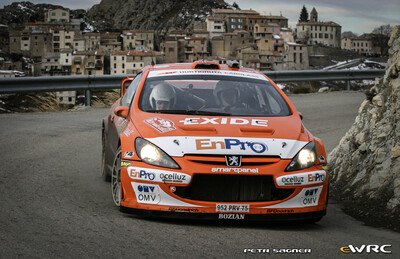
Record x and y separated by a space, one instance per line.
179 135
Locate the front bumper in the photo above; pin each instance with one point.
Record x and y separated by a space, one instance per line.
155 192
218 216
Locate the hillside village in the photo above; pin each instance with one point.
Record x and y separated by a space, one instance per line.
61 45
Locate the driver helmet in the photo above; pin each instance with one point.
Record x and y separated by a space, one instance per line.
226 93
162 92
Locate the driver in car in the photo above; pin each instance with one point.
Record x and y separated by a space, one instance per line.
162 97
227 95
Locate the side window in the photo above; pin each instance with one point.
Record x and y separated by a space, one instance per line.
130 92
275 107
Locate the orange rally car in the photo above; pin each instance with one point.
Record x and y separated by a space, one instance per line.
210 141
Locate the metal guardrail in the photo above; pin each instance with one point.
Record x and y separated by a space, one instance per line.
323 75
89 83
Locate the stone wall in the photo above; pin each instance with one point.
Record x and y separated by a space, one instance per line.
365 166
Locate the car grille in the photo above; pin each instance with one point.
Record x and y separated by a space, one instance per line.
220 160
232 188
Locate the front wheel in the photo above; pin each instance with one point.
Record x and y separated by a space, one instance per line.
116 178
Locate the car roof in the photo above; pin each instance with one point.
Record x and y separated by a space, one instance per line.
199 65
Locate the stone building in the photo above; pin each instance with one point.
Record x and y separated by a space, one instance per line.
295 56
316 32
62 39
215 26
110 41
50 65
138 40
264 20
57 15
227 44
131 62
92 40
79 43
367 44
233 19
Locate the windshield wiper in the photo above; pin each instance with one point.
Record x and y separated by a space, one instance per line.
191 112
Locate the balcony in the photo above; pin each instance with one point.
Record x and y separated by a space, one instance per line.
77 61
89 65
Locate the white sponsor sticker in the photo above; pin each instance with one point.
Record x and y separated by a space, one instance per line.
234 169
155 175
310 197
128 132
129 154
231 216
232 207
302 178
306 198
161 125
228 146
224 121
175 72
147 193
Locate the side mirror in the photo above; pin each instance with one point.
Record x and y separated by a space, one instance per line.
125 83
301 116
122 111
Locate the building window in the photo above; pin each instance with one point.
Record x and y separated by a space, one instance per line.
123 58
115 58
66 61
64 14
123 65
115 65
70 99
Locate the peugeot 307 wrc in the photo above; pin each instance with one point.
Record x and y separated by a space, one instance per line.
211 141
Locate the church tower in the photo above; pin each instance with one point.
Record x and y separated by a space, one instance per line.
314 15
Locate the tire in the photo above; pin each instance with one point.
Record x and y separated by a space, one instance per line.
116 179
105 175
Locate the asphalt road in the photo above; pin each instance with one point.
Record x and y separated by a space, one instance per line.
54 204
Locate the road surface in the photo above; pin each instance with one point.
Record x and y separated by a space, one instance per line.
54 203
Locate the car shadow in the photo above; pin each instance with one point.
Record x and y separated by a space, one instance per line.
271 225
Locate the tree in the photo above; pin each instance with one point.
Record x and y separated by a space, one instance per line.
303 14
236 6
349 34
383 29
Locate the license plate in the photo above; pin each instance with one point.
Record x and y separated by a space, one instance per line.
232 208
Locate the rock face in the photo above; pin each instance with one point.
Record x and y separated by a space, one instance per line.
150 14
365 166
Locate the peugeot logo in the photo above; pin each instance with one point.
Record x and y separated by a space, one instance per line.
233 161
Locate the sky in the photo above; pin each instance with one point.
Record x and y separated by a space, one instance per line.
358 16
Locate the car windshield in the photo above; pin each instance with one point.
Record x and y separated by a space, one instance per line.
212 95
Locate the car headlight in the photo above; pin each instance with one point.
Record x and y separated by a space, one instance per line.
307 157
153 155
